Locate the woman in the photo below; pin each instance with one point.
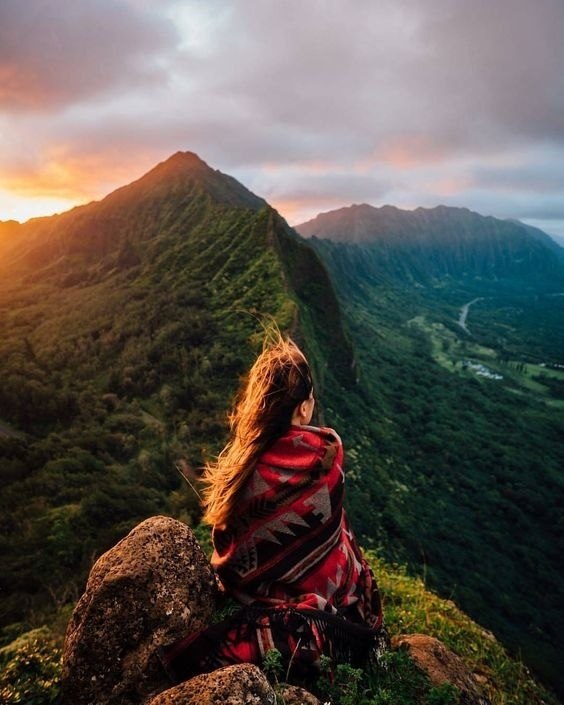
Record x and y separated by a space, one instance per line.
283 547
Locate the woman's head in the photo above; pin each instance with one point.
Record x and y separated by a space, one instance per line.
278 392
278 388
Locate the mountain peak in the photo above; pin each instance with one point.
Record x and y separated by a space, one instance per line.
442 241
362 223
181 173
138 210
185 157
180 163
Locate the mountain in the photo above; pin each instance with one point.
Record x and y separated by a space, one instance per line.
551 242
558 239
126 325
128 322
125 222
450 466
426 244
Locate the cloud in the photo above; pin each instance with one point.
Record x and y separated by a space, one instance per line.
299 193
460 75
72 175
498 66
58 52
311 105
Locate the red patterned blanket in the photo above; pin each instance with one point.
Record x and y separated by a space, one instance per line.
290 558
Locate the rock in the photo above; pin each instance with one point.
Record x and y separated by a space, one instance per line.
441 665
287 694
243 684
149 590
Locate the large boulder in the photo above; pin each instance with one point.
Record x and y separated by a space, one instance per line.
441 665
243 684
149 590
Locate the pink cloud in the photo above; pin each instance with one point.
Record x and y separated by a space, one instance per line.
64 173
405 152
54 54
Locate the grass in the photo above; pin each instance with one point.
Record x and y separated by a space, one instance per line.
411 608
448 350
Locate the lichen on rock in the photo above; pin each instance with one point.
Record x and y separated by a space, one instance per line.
287 694
149 590
242 684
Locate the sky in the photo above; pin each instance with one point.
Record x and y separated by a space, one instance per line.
312 104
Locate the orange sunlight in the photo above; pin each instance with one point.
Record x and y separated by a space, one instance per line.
61 179
298 210
22 208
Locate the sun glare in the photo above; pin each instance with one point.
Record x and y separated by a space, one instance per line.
22 208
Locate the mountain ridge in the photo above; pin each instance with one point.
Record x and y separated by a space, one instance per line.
427 244
119 359
99 227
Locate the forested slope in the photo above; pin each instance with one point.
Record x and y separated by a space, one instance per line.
462 471
126 326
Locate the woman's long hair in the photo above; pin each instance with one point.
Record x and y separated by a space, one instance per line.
279 380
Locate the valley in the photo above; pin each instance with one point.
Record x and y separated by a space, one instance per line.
127 324
541 381
461 431
464 314
475 497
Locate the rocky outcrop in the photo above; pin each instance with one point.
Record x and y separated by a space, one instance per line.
441 665
156 586
243 684
149 590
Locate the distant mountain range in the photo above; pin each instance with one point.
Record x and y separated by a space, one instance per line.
127 323
426 244
423 243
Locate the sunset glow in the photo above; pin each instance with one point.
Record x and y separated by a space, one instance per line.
408 152
93 95
22 208
299 210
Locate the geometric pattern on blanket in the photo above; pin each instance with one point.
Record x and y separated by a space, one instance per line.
291 560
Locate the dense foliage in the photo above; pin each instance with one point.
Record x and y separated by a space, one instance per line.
126 325
106 383
457 473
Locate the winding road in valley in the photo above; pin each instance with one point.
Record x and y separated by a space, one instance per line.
464 314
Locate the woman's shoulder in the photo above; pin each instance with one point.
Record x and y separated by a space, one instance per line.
303 447
323 433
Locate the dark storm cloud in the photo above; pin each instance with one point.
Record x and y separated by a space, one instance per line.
58 52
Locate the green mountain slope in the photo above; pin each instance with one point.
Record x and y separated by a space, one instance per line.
126 325
426 244
460 471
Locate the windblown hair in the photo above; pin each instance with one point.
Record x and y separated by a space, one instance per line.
279 380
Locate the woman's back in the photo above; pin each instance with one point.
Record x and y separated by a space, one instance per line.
283 545
291 542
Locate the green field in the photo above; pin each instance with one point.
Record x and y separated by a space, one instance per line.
453 352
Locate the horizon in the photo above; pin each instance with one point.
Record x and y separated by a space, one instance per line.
556 238
410 103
